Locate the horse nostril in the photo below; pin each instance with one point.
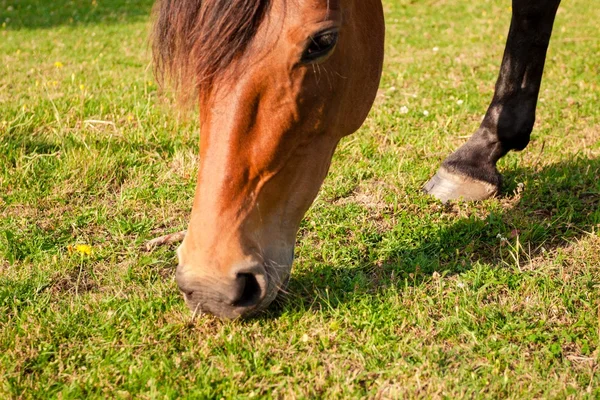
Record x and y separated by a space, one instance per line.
188 295
249 291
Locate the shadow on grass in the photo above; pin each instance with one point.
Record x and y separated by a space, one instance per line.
41 14
560 203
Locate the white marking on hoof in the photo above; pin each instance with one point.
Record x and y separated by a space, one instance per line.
447 186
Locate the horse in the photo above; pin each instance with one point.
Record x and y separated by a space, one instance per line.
278 84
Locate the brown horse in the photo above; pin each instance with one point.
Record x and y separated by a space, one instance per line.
279 83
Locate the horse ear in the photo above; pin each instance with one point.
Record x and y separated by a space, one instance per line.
195 41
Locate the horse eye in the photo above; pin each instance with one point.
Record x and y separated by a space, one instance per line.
320 46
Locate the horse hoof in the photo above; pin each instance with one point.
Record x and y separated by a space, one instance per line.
446 185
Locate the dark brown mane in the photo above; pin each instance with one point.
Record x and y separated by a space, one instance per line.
196 40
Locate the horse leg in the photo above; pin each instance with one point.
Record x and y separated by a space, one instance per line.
470 172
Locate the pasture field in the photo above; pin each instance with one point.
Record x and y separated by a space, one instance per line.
393 295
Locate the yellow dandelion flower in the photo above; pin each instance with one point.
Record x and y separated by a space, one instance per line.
81 249
82 87
58 65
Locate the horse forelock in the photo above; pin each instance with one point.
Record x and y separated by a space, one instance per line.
194 41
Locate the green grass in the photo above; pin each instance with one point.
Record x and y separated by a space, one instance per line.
392 294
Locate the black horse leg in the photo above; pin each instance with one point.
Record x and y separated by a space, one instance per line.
470 172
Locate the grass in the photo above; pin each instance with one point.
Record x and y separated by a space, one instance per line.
392 294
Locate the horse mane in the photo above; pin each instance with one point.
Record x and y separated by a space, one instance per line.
194 41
